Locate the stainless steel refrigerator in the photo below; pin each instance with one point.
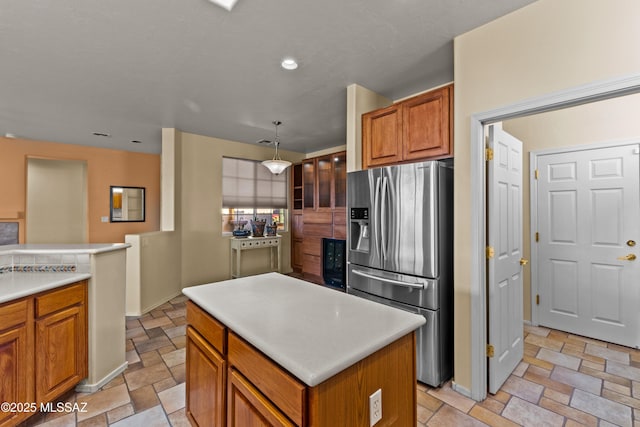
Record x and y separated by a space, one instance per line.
400 251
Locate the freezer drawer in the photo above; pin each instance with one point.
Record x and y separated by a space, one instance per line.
412 290
431 366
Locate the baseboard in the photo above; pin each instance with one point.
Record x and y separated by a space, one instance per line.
462 390
153 306
84 387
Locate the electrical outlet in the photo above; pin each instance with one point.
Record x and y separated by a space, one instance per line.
375 407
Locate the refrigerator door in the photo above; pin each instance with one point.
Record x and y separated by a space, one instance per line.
408 219
363 219
417 291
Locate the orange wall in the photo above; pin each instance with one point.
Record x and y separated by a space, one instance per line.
104 168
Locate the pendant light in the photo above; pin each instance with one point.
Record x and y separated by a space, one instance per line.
276 165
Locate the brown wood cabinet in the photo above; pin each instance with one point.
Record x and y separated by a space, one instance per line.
324 184
296 218
259 392
418 128
51 325
207 368
61 341
16 358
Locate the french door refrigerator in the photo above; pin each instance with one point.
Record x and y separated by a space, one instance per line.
400 250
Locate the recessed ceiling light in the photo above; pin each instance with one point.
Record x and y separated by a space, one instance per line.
226 4
135 141
289 64
10 135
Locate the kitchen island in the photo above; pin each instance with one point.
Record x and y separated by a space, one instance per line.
276 348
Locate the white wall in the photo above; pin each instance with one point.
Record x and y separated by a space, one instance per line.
545 47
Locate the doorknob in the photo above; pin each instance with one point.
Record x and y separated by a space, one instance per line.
524 261
629 257
631 242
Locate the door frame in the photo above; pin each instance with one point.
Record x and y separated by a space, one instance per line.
533 205
592 92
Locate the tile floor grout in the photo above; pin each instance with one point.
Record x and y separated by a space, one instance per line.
563 380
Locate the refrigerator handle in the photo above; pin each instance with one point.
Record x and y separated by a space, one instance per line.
383 219
390 281
375 217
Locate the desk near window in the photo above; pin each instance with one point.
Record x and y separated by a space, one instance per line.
240 244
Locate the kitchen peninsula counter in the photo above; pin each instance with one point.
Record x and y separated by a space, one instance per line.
325 339
28 269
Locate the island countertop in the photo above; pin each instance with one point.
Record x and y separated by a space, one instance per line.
311 331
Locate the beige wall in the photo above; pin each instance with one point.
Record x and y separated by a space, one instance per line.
205 251
545 47
604 121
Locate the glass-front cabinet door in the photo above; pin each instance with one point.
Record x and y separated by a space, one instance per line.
309 179
340 179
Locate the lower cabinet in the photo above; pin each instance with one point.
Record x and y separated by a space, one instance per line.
16 358
248 407
206 377
230 382
52 326
61 341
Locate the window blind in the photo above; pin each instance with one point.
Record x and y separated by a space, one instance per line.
248 184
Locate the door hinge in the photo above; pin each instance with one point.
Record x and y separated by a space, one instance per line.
536 173
488 154
537 236
490 252
538 299
490 350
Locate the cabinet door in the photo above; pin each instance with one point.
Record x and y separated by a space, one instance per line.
205 371
16 371
382 137
247 407
426 125
325 182
61 352
309 184
296 254
340 180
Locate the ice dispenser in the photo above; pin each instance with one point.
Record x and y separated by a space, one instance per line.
359 229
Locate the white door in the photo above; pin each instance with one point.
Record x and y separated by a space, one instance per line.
588 211
504 268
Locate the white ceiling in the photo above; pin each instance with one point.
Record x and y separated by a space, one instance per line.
131 67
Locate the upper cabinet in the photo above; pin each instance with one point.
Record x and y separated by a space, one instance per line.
324 181
417 128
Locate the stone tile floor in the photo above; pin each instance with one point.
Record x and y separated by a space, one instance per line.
563 380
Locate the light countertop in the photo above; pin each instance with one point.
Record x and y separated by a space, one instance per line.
18 285
311 331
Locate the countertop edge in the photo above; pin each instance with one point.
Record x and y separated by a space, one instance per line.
25 291
96 248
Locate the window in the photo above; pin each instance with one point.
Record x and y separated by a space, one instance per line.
250 191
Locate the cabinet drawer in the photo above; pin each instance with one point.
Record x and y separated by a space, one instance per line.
14 313
286 392
212 330
320 230
312 246
317 217
57 300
